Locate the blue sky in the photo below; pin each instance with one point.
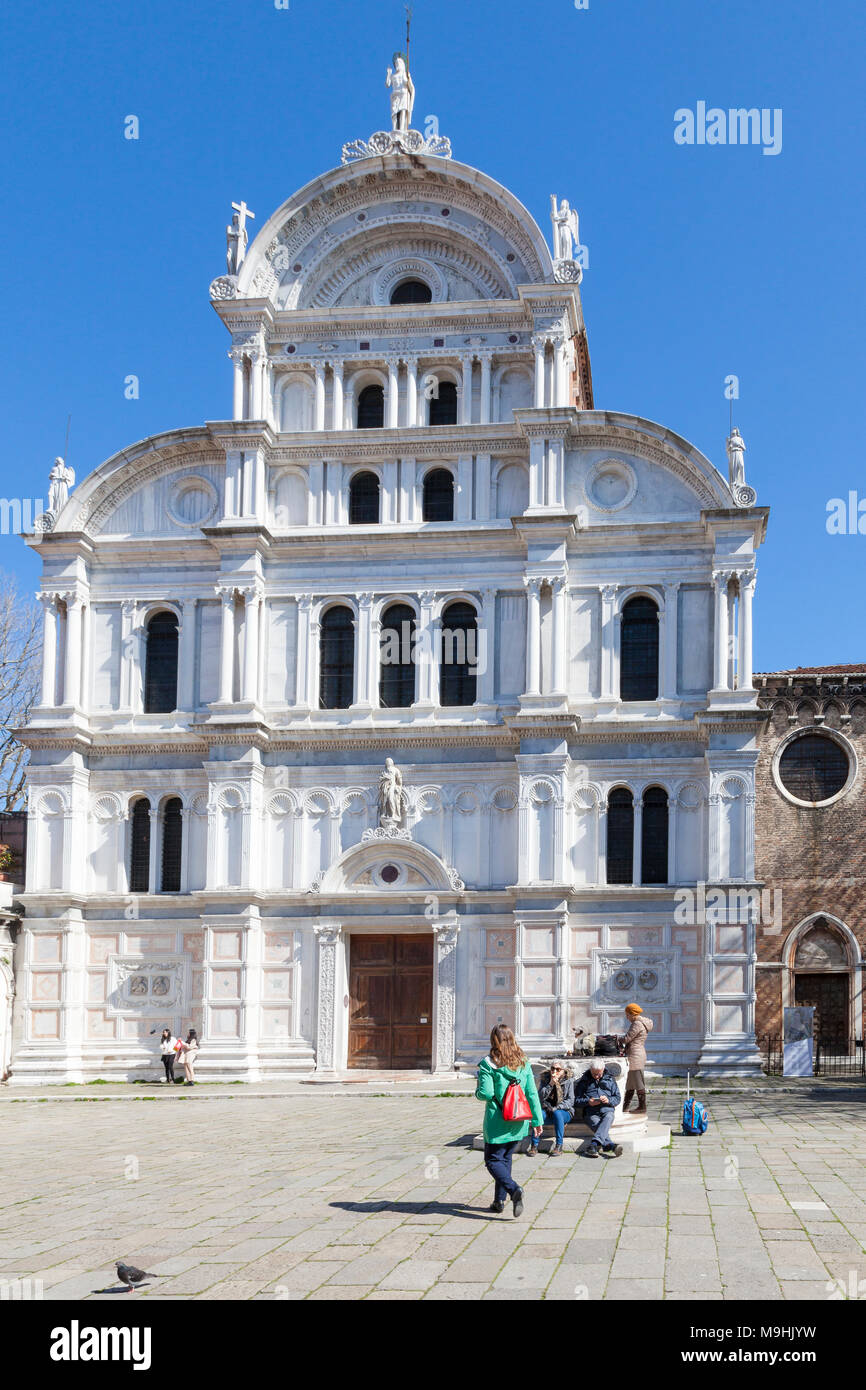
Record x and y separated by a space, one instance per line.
703 261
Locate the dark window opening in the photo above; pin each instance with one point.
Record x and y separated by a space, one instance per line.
337 659
139 858
654 836
620 836
438 501
412 292
371 408
160 667
364 499
814 768
443 406
639 650
457 670
396 664
172 834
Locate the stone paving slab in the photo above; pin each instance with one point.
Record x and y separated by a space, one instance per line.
268 1199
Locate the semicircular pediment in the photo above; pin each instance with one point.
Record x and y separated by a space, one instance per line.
383 864
449 201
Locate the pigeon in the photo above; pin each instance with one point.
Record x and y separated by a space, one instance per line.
130 1276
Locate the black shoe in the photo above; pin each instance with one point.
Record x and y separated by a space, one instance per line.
517 1201
593 1152
498 1207
614 1150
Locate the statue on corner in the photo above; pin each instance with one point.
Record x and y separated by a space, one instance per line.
736 450
402 94
392 797
565 229
60 480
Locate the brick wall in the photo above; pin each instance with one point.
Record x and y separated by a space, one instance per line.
816 856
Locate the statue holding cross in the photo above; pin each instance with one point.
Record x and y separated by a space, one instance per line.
236 237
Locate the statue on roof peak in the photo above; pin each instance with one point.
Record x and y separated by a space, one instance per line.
402 93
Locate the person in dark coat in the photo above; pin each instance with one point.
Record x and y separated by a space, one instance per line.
556 1094
599 1095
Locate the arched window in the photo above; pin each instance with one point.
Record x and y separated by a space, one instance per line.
371 408
411 292
139 847
457 669
443 406
438 501
364 499
396 666
336 658
172 835
620 836
160 667
654 836
639 650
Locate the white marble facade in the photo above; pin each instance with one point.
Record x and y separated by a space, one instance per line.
241 530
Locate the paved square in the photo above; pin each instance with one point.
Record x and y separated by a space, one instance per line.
237 1193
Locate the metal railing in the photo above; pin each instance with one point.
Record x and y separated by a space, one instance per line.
832 1056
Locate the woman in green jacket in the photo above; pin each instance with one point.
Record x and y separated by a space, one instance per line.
505 1064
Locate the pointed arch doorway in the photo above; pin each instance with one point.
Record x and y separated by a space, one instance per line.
823 972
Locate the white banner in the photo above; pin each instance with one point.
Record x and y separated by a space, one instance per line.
798 1045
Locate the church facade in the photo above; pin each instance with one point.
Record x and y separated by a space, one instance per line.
413 697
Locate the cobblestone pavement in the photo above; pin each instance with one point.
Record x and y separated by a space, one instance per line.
301 1194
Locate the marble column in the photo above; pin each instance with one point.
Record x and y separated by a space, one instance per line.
49 649
329 941
465 416
485 388
533 636
485 686
411 392
392 396
720 663
366 655
338 408
744 666
559 392
445 994
252 604
669 686
304 654
186 672
319 416
539 346
237 385
637 842
227 644
72 676
673 807
608 636
559 635
427 685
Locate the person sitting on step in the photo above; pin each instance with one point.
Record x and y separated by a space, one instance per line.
556 1094
599 1095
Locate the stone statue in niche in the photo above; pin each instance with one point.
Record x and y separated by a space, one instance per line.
392 797
565 229
736 459
60 480
402 93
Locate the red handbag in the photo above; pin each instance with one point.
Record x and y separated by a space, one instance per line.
515 1106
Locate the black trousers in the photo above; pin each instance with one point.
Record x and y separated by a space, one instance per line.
168 1063
497 1161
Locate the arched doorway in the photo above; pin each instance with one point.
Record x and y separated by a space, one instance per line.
822 978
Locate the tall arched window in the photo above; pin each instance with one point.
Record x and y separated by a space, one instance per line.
458 664
337 658
639 650
160 667
411 292
396 666
139 847
371 408
620 836
438 499
654 836
443 406
172 835
364 499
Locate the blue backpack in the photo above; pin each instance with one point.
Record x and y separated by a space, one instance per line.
695 1117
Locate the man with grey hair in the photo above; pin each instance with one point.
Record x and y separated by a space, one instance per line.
599 1095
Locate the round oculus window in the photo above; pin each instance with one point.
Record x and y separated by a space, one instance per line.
814 768
390 873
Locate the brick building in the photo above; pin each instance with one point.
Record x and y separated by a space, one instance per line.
810 846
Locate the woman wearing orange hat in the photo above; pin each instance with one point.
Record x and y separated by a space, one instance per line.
634 1042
